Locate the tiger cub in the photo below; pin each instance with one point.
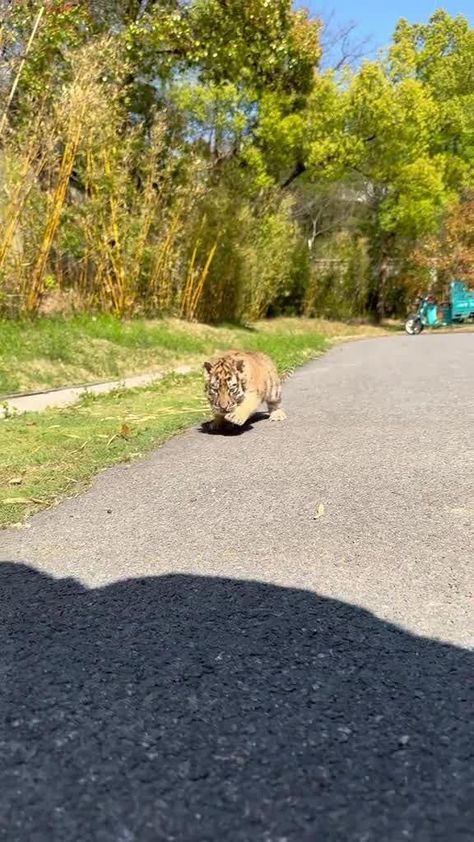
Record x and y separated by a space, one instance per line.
237 383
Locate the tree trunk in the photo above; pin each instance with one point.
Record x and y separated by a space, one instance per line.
382 283
381 254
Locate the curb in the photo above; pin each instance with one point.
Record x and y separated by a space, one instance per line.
47 399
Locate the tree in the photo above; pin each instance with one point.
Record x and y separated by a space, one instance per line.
451 254
405 128
440 54
399 131
392 124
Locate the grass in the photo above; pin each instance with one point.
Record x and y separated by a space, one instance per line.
49 455
46 456
53 352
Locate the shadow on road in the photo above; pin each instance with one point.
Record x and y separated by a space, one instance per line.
186 708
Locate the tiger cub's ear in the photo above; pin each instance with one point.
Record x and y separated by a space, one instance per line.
240 365
207 368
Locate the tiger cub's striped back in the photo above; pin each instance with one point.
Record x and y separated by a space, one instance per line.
238 382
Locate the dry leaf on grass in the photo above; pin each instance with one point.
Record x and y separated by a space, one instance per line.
124 433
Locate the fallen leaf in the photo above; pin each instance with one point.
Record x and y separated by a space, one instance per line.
125 431
72 436
112 438
320 511
14 501
15 481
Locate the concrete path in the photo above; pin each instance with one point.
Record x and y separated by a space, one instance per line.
265 636
39 401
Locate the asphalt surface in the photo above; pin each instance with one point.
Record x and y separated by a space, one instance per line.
187 653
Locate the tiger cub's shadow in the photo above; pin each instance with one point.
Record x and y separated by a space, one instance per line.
232 429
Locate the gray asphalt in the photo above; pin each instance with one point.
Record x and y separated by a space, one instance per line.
188 654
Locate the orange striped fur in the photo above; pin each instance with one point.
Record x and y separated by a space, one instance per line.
238 382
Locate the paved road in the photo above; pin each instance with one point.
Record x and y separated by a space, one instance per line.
187 654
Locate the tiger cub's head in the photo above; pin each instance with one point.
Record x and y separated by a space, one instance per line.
225 384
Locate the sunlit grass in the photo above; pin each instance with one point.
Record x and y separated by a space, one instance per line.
52 352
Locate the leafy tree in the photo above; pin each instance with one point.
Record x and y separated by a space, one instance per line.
399 132
406 129
451 253
440 54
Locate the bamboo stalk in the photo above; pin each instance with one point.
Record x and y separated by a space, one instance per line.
149 203
188 287
202 280
67 163
14 211
20 69
189 283
164 293
115 252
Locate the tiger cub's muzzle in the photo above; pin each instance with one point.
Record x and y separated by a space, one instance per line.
227 403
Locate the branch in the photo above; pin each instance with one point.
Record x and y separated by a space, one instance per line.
298 170
338 42
300 167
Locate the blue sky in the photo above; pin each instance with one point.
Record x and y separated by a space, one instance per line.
376 19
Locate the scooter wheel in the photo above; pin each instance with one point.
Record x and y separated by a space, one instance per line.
413 325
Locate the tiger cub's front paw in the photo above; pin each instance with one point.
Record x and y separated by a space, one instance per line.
237 416
278 415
